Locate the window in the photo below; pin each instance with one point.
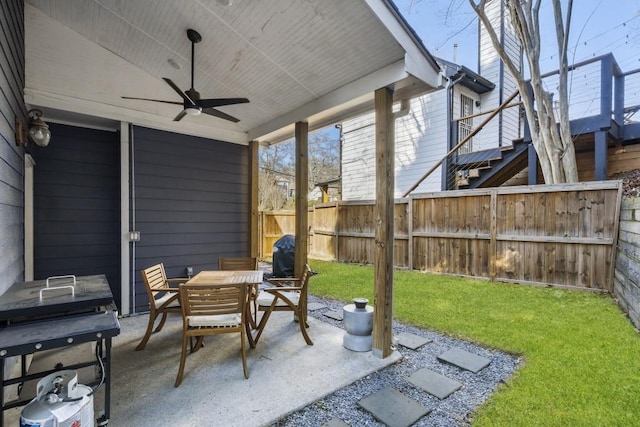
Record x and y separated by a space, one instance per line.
465 126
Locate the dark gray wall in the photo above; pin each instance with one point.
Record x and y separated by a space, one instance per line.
77 205
190 201
11 157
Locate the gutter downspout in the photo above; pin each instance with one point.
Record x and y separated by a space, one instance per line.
445 166
405 107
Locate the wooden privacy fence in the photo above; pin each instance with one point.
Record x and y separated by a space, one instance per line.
561 235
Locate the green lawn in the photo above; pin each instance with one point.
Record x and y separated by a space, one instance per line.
582 355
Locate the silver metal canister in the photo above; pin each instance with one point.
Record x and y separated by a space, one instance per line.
358 323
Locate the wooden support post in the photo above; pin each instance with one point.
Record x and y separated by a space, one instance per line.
532 159
254 235
302 195
600 153
383 313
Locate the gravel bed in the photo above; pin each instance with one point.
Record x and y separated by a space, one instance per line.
455 410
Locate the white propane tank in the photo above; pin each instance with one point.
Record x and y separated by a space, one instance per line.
60 402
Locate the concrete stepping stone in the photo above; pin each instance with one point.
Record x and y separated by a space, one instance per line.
335 422
434 383
412 341
393 408
465 360
334 314
313 306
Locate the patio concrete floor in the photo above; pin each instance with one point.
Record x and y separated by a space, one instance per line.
285 375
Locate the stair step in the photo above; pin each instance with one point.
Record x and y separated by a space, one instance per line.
462 182
474 173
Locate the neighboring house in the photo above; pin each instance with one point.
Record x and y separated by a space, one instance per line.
422 136
430 127
606 139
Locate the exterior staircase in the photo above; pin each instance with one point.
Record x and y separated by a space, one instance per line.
490 168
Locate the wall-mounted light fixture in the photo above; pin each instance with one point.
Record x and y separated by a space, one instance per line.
36 129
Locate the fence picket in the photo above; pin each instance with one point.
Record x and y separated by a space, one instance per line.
562 235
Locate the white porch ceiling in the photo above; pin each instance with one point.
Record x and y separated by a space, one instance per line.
313 60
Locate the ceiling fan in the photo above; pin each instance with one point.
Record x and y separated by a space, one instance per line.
192 104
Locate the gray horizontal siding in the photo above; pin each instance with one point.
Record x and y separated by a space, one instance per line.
77 205
190 203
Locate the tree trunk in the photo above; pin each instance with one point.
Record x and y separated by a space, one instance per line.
551 141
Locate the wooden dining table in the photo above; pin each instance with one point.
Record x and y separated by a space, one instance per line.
227 277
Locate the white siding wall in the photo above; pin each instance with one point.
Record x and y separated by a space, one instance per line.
359 158
491 69
421 140
421 136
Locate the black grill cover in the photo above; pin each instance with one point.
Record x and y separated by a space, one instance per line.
284 251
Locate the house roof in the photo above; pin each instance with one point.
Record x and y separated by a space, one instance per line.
317 61
470 79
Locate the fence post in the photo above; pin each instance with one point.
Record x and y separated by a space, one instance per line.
614 245
261 234
311 213
336 233
493 244
410 232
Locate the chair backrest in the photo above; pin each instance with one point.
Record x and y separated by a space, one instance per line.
246 263
304 284
154 277
213 300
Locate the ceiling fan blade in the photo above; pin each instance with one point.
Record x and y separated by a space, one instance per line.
154 100
219 102
220 114
179 91
180 116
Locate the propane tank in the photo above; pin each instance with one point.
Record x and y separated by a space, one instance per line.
60 402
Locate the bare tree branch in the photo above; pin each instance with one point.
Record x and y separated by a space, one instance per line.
552 140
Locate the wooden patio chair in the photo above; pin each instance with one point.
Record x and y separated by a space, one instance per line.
243 263
288 294
163 299
211 310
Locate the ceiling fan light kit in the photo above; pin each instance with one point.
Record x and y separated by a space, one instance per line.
192 104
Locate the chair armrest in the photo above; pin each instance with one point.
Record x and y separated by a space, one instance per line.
178 280
165 289
282 289
280 281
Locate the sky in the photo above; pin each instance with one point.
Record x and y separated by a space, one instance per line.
598 27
